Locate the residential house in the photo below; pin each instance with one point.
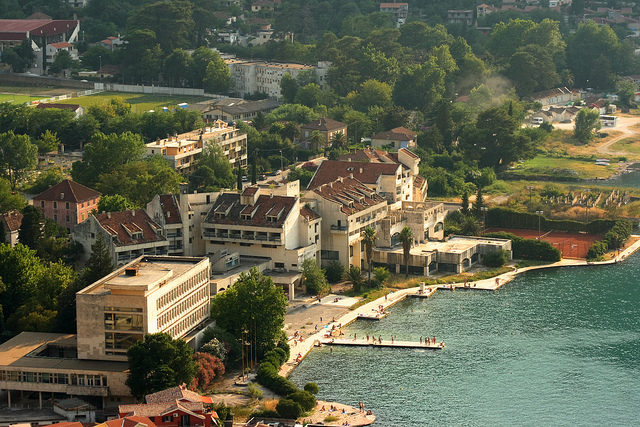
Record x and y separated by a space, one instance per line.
456 16
183 150
328 128
74 409
78 110
400 11
173 414
262 6
557 96
112 42
67 203
484 9
53 49
257 224
235 110
77 3
11 222
132 421
395 138
128 234
346 206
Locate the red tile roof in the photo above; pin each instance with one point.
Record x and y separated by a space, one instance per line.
351 194
66 424
228 210
130 421
61 45
396 133
409 153
368 155
68 191
330 170
123 224
324 124
176 393
73 107
12 220
195 409
250 191
17 29
170 210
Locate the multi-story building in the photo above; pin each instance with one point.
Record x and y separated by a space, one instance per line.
53 49
128 234
234 109
262 225
11 222
456 16
67 203
347 207
252 77
183 150
396 138
181 217
148 295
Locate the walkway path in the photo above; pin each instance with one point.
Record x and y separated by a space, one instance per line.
385 343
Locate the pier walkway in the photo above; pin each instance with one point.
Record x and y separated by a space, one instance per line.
385 343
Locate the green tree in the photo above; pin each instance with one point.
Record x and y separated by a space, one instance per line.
105 154
587 120
532 69
309 95
200 59
18 156
213 170
371 93
339 141
369 239
252 304
47 142
159 362
176 65
464 204
30 233
288 88
63 61
380 276
314 279
626 92
20 58
161 16
406 238
420 86
114 203
354 275
9 199
217 78
478 204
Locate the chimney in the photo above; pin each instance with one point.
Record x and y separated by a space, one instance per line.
133 213
168 214
109 215
360 170
351 175
131 271
61 196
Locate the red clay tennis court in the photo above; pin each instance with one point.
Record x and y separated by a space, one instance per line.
571 245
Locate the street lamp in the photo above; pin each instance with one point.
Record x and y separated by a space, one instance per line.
539 213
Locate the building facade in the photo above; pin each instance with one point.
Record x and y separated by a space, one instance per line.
396 138
67 203
11 222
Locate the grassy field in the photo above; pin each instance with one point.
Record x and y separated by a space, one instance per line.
561 143
628 145
562 168
140 102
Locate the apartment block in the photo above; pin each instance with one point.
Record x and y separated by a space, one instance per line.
257 224
128 234
148 295
183 150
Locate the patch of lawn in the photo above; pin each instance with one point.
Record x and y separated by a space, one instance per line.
559 168
628 145
368 295
140 102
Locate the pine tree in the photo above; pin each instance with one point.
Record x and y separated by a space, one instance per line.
4 238
100 263
30 232
465 203
239 177
477 206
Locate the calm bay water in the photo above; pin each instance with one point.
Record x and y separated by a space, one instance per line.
554 347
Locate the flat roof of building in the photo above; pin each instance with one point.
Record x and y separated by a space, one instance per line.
151 273
20 352
455 244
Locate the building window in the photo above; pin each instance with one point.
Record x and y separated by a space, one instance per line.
67 218
118 341
55 205
42 204
351 250
55 217
66 205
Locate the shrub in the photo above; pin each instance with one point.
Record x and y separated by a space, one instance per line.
311 388
287 408
619 233
216 348
265 413
509 218
597 250
334 271
255 391
380 276
306 400
529 248
495 259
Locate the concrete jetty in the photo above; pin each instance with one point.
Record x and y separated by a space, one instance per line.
373 315
385 343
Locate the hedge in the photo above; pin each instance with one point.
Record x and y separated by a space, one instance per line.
597 250
529 248
289 409
509 218
306 400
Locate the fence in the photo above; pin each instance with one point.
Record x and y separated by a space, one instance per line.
156 90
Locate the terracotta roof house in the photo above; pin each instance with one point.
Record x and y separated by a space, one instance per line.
396 138
328 128
180 393
11 221
131 421
67 203
171 414
129 234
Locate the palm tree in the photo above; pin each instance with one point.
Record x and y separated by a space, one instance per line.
406 237
369 239
316 141
339 141
354 275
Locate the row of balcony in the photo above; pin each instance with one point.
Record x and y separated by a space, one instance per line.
261 236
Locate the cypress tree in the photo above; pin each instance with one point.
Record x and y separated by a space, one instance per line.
30 232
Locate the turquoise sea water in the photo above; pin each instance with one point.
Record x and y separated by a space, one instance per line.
554 347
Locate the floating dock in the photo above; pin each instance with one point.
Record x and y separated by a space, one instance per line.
425 294
373 316
385 343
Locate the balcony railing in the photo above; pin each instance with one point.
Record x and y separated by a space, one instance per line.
338 228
